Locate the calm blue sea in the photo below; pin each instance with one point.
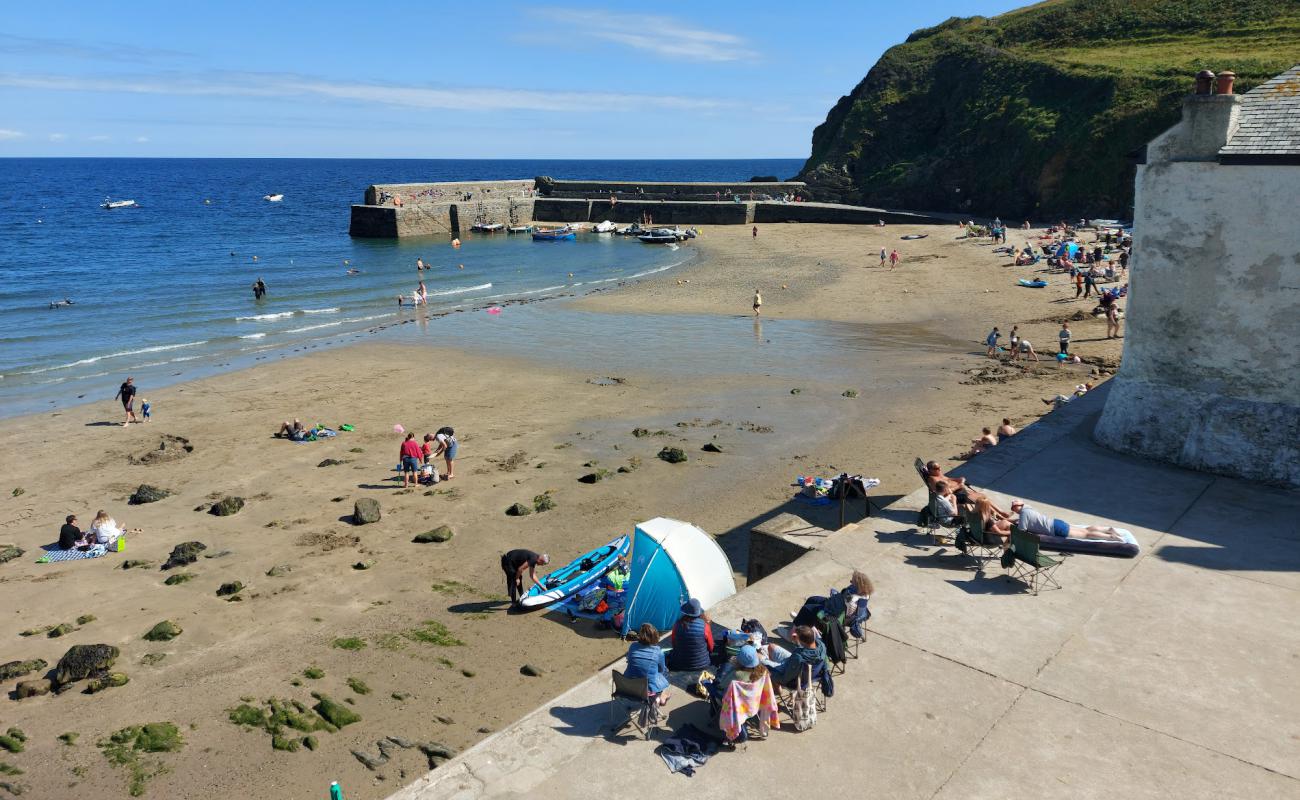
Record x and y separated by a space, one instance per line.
162 292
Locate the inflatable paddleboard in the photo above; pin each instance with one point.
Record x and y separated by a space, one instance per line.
576 575
1033 284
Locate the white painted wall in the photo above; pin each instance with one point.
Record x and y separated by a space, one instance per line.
1211 370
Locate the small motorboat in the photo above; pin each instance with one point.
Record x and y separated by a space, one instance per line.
631 230
272 198
660 236
487 227
519 229
111 204
554 234
605 227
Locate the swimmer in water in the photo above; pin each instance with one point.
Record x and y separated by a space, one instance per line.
354 271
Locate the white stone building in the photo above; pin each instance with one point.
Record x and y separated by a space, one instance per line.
1211 371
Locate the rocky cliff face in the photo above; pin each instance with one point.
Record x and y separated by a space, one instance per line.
1034 113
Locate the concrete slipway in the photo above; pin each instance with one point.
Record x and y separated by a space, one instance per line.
1170 675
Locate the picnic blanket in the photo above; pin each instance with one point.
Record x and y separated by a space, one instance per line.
53 553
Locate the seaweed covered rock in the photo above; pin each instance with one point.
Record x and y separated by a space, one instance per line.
227 506
183 554
710 447
8 552
334 713
17 669
227 589
164 631
82 660
365 511
442 533
518 510
147 494
673 455
103 679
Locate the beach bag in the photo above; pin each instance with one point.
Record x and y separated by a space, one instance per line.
120 545
803 708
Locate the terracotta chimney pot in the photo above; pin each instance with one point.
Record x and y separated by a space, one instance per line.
1204 79
1223 84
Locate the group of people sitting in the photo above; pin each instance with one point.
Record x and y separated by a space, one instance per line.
988 439
104 532
738 670
953 496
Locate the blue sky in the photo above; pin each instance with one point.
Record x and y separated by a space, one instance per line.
432 80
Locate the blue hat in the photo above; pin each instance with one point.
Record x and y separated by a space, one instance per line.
692 608
747 657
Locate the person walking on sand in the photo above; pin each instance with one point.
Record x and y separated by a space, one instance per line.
1015 341
755 231
410 457
893 259
513 564
446 445
992 341
1063 336
884 256
127 393
758 303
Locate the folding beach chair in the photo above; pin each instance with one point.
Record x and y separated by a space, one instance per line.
976 542
1031 565
630 701
936 521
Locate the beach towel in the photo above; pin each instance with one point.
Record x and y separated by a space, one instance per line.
54 554
748 699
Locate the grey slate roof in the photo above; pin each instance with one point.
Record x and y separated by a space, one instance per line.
1269 121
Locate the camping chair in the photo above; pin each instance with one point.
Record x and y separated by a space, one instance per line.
976 542
630 701
1031 565
758 724
935 521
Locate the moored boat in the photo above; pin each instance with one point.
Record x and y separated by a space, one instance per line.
554 234
111 204
487 227
272 198
605 227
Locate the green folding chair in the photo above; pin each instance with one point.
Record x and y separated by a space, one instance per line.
976 542
1031 564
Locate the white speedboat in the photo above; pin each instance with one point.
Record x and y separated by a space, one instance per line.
111 204
605 227
272 198
488 227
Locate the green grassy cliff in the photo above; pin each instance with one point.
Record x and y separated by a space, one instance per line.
1032 113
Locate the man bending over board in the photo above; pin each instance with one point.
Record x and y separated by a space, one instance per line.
513 565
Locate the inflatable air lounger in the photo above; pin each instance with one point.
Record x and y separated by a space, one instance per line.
1126 549
576 575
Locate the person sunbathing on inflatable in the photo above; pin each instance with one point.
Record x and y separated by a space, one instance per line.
1037 523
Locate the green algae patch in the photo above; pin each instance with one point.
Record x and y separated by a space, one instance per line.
349 643
433 632
314 673
357 685
337 715
127 748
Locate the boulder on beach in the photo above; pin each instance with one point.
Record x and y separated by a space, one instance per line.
33 688
103 679
182 554
279 570
334 713
518 510
365 511
147 494
17 669
83 659
330 462
442 533
227 506
710 447
132 563
8 552
227 589
162 632
530 671
673 455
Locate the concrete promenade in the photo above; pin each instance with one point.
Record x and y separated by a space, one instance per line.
1172 675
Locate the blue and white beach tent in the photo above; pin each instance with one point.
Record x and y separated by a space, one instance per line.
673 561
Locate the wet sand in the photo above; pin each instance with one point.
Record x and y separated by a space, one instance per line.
905 341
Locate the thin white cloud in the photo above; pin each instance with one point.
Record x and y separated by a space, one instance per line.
94 51
99 137
142 139
7 133
58 137
274 85
665 37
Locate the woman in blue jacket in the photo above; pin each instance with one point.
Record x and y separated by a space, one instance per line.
645 659
692 639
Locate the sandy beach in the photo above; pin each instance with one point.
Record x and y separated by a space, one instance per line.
438 654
